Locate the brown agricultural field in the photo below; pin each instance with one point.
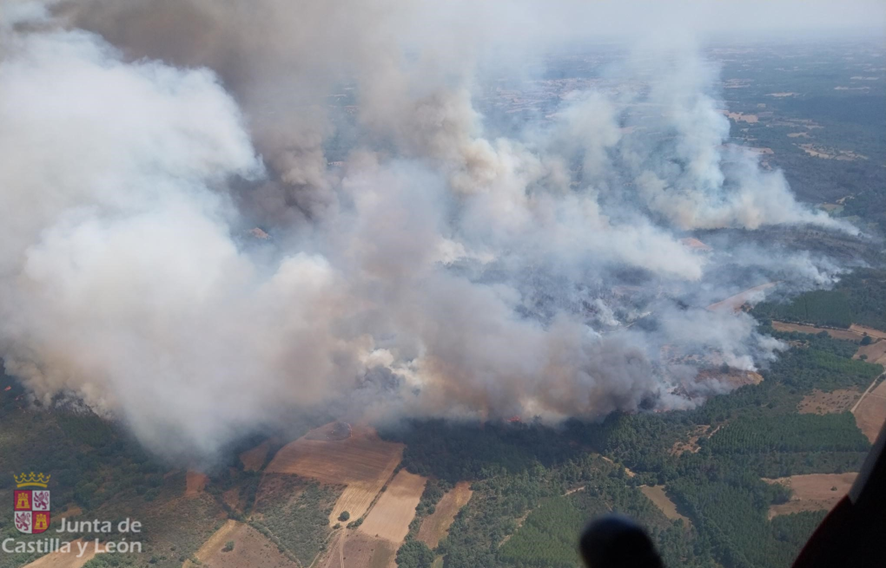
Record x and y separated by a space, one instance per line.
362 461
812 492
835 333
820 402
251 548
254 458
65 560
874 353
436 525
352 549
870 412
390 517
657 495
196 483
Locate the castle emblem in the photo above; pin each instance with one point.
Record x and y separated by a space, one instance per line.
31 506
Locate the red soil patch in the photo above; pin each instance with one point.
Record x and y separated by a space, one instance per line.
196 483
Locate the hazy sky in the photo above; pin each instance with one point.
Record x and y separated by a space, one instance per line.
716 16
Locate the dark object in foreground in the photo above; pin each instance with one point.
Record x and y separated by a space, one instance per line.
615 541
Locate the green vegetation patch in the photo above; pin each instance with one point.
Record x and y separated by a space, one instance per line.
295 513
548 535
790 433
860 297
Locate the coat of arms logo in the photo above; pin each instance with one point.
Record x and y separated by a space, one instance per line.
31 506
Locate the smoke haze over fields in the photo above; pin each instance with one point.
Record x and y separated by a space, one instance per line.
420 261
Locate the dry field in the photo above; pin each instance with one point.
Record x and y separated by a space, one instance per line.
870 413
741 117
351 549
251 548
657 495
435 526
362 461
835 333
820 402
62 560
875 352
736 302
390 517
196 483
861 330
255 458
831 154
813 492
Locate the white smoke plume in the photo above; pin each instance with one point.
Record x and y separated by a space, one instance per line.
439 270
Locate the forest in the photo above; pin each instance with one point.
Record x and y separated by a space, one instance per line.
535 486
859 297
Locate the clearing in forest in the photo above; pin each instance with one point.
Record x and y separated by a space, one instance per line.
196 483
659 498
435 526
691 445
870 412
874 353
847 334
362 461
65 560
812 492
861 330
251 548
390 517
352 549
834 402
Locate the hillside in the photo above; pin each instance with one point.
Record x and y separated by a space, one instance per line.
526 489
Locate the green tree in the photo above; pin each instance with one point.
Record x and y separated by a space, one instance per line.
414 554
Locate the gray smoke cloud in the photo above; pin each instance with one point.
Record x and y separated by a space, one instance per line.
436 267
